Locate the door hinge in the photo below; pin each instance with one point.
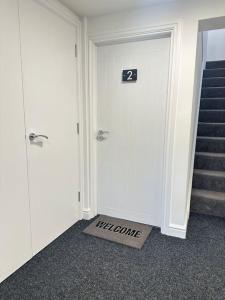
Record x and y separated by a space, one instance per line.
76 51
78 196
78 128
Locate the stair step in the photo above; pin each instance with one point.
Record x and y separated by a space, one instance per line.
210 144
208 185
209 73
212 116
212 103
208 202
209 180
217 64
210 161
213 92
213 82
218 174
211 129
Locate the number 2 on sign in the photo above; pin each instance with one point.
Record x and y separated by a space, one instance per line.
130 73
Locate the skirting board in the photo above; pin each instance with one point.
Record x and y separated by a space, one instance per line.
179 232
176 230
87 214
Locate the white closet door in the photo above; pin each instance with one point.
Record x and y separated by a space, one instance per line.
50 89
15 239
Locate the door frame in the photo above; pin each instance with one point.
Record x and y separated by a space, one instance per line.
63 12
135 34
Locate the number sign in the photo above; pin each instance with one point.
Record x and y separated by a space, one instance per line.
129 75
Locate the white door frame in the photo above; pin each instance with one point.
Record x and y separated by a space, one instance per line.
172 30
59 9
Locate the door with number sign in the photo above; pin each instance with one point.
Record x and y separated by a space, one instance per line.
131 117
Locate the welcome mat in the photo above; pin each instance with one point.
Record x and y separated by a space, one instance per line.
125 232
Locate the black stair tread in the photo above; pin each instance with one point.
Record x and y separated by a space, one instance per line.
210 144
210 161
220 138
219 196
215 64
211 110
215 61
211 115
216 69
208 202
213 87
216 98
210 123
209 173
211 154
209 78
212 103
211 129
213 82
214 73
213 92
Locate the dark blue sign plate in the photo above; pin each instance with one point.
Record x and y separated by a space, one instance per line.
129 75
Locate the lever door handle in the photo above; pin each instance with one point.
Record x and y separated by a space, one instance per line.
33 136
101 132
100 135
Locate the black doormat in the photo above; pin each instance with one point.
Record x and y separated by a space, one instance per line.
125 232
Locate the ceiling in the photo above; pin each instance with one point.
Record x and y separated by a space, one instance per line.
100 7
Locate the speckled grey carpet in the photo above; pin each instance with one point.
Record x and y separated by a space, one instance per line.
78 266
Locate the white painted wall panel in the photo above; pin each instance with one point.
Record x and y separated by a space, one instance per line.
216 45
200 65
187 14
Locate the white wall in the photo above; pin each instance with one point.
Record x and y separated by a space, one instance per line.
216 45
204 38
199 66
187 15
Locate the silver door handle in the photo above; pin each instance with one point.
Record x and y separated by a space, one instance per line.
102 132
33 136
100 135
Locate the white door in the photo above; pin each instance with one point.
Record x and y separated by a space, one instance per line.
130 159
15 237
50 93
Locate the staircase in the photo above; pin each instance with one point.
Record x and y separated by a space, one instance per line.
208 188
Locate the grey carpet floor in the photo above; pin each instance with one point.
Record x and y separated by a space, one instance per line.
78 266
